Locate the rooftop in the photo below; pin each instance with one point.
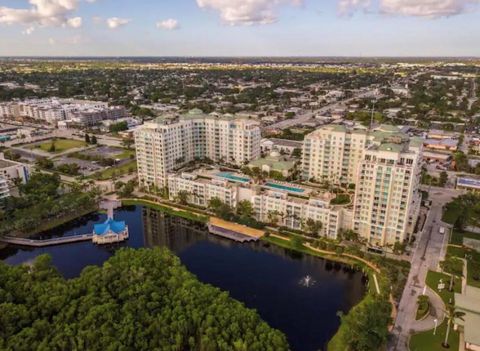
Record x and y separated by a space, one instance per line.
5 163
109 226
469 303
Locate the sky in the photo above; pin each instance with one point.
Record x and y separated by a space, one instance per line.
240 28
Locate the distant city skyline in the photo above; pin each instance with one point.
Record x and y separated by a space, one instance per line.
239 28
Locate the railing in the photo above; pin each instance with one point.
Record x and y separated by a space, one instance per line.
46 242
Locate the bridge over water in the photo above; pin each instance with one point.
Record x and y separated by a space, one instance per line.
45 242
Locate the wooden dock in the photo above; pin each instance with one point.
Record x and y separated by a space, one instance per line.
233 231
47 242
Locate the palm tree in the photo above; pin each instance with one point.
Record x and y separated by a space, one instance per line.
448 266
273 217
451 314
182 197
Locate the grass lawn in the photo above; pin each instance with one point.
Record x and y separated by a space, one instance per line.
118 171
473 263
457 237
340 199
422 309
426 341
451 214
432 281
61 145
125 154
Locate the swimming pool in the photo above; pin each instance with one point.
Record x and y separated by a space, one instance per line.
232 177
285 188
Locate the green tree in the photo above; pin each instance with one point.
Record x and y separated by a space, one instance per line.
296 242
365 326
245 209
443 179
127 143
94 140
87 138
312 227
451 315
103 308
182 197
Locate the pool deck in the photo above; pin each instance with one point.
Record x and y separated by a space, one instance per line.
249 233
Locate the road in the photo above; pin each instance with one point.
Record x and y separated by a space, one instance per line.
430 250
304 117
473 94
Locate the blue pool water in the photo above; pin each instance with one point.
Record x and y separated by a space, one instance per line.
233 177
284 187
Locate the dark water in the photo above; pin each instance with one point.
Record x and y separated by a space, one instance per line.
262 276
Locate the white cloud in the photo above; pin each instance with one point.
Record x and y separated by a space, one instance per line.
414 8
348 7
42 13
51 41
115 22
75 22
28 30
169 24
246 12
426 8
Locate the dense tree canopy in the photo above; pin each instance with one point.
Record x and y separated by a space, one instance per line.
139 300
42 199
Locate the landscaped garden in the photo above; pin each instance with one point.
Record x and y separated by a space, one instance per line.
426 340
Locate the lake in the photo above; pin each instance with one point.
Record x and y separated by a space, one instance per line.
265 277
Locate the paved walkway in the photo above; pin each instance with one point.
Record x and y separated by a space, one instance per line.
426 256
437 308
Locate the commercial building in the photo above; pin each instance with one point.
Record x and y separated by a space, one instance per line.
470 184
170 143
274 163
283 146
54 110
468 303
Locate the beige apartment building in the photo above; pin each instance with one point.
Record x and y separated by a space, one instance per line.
384 164
387 197
169 143
332 153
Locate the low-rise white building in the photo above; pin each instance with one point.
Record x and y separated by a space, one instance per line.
4 191
11 170
54 110
285 204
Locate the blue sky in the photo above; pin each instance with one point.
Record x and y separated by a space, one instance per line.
240 27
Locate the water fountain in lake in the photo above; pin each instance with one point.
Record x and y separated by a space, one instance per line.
307 281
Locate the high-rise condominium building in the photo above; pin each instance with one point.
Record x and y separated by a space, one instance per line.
167 144
384 164
387 199
332 153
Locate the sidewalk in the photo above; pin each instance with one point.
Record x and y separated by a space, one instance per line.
437 308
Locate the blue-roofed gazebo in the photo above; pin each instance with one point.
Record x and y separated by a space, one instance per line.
110 231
